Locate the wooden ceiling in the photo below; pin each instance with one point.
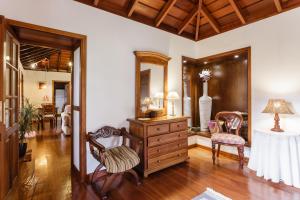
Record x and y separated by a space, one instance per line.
45 58
43 50
194 19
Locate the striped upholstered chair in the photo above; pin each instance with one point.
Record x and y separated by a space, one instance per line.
228 125
115 161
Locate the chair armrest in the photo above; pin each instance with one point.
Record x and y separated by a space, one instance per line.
136 142
94 144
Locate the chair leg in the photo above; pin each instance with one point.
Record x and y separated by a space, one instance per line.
241 155
113 179
213 148
96 170
219 147
135 175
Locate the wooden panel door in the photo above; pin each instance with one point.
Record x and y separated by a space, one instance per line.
9 106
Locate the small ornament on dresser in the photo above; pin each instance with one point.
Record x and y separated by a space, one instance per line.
205 102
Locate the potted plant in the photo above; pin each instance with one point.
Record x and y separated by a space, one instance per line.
27 114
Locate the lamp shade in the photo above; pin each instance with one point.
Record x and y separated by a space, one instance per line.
279 106
173 95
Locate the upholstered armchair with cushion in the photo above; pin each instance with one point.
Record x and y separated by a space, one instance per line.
229 124
115 161
66 123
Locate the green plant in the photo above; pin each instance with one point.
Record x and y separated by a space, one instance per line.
27 114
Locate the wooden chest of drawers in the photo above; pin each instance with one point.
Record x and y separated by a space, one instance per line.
165 142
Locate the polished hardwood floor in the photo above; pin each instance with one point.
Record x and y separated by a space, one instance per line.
48 177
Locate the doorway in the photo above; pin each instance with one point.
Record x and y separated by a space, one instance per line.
61 94
12 35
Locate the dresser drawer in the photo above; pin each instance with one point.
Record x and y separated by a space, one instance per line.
158 129
166 138
167 159
178 126
167 148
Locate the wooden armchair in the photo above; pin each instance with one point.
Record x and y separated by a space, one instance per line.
116 161
232 121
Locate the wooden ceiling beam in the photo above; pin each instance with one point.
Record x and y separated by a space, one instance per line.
163 13
44 44
237 10
198 20
35 51
58 60
278 5
210 19
26 48
132 6
197 27
22 57
188 19
96 2
39 57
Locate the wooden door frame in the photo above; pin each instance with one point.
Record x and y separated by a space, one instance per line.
53 91
83 66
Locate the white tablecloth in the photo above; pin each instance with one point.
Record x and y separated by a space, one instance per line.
276 156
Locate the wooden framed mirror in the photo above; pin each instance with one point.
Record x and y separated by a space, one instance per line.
151 83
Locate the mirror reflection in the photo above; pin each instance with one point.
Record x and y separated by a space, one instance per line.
151 86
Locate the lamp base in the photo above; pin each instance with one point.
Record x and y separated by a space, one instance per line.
277 129
276 124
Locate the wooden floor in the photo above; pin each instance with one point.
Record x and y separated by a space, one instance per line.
48 177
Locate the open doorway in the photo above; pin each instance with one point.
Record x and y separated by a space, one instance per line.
36 60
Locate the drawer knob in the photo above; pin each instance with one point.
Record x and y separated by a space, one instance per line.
178 155
158 140
158 129
178 125
179 145
158 150
158 161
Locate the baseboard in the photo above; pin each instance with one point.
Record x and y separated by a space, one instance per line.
223 153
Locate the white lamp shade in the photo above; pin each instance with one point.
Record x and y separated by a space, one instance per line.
173 95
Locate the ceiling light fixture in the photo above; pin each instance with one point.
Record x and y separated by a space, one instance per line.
236 56
70 64
184 61
33 65
205 62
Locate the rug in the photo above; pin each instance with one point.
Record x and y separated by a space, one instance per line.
210 194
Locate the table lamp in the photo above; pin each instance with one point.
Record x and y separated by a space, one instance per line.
277 106
173 96
159 96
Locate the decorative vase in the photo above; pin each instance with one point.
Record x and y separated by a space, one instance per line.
205 104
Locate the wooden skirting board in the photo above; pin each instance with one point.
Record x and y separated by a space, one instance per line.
223 153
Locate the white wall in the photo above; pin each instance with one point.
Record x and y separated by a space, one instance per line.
110 60
275 58
31 84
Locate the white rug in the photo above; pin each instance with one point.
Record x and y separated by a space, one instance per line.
210 194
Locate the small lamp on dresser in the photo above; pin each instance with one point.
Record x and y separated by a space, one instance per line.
277 106
172 96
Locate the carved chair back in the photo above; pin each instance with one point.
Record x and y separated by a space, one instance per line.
48 109
232 122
